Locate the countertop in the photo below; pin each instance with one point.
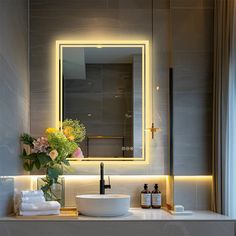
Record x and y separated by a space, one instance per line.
135 214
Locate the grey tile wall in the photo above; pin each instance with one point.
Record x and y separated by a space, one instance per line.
14 94
109 20
14 80
189 22
6 195
193 193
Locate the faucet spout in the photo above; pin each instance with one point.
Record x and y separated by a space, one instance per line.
103 186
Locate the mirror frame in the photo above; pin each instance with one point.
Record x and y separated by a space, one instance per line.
146 91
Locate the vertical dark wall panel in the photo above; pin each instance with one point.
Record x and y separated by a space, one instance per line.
192 31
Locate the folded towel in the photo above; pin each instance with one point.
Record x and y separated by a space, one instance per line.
40 206
33 193
39 213
32 199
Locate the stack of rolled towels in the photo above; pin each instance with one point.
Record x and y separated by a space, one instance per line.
33 203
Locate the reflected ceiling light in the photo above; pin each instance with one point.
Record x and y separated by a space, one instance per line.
98 46
157 88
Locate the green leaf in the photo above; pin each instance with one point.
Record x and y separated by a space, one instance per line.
31 166
45 188
37 163
53 173
66 162
24 152
31 156
44 159
27 139
26 166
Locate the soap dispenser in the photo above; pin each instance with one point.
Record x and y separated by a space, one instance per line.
156 197
145 197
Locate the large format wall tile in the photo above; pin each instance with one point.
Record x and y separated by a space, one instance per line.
14 94
193 193
6 195
14 89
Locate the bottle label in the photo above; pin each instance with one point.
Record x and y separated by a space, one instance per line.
146 199
156 199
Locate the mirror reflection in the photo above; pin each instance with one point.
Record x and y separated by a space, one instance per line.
102 87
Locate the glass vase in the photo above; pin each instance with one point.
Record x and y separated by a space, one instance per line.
56 191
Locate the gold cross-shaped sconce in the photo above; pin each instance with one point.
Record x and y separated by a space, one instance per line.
153 130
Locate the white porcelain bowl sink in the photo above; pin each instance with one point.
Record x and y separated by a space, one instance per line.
103 205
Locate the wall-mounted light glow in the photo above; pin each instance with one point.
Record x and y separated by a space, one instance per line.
146 92
193 178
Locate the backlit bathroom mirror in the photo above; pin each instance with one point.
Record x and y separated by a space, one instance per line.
105 86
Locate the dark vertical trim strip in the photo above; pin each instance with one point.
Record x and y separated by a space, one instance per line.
171 114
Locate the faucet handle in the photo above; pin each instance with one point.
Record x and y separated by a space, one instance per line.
109 183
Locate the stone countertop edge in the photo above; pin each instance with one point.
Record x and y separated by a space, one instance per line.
134 215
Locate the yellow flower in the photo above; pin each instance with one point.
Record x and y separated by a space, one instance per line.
67 130
50 130
53 154
71 137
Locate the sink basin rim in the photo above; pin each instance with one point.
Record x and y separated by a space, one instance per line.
104 205
103 196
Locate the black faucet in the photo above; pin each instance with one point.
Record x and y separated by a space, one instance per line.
103 186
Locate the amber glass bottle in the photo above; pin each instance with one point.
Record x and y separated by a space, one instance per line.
156 197
145 197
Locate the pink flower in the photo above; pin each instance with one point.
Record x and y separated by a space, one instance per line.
78 153
40 145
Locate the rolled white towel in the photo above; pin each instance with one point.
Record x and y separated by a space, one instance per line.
39 213
40 206
34 193
32 199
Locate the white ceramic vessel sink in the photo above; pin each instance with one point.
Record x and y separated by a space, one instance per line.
103 205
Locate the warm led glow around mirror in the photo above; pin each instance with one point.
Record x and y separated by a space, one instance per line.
146 98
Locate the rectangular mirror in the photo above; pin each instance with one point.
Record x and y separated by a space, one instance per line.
104 85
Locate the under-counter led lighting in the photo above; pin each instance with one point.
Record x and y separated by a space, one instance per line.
193 178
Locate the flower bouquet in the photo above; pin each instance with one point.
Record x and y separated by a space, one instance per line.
51 151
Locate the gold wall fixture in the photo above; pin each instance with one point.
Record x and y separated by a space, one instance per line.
153 130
